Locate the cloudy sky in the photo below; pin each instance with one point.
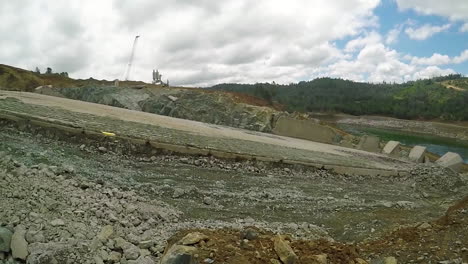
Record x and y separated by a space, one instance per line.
204 42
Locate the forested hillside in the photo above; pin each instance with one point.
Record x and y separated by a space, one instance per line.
423 99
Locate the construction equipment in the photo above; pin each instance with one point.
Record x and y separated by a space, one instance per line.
132 55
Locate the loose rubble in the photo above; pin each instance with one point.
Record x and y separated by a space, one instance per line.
57 211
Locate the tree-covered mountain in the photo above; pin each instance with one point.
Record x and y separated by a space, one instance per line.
422 99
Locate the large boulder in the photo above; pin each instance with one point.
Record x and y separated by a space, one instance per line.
5 239
392 148
19 245
451 160
179 254
284 251
417 154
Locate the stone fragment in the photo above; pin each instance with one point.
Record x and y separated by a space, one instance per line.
451 160
35 237
106 233
114 257
249 234
207 200
369 143
146 244
193 238
5 239
424 226
417 154
57 222
390 260
102 149
392 148
284 251
178 254
19 245
360 261
98 260
130 251
317 259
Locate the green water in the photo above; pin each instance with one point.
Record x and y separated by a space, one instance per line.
434 144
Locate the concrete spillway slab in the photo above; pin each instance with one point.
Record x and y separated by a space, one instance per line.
451 160
417 154
205 138
392 148
369 143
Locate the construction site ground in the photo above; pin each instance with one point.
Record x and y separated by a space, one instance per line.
246 179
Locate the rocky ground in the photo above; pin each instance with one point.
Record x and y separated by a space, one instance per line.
66 202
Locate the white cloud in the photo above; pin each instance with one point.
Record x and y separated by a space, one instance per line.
375 62
464 28
206 42
432 71
453 9
425 31
392 36
435 59
438 59
192 43
461 58
359 43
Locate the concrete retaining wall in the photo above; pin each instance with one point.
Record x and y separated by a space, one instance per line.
304 129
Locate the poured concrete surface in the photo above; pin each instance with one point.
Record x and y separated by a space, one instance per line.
305 129
179 131
392 148
417 154
369 143
451 160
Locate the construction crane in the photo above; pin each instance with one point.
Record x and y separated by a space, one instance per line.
132 55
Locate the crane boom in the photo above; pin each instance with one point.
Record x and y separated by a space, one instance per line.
132 55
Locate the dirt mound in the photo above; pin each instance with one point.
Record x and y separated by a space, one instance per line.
256 246
428 242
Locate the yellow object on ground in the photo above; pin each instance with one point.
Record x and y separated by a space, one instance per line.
109 134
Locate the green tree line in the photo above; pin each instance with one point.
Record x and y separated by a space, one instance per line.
422 99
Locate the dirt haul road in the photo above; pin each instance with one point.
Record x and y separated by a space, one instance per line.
96 117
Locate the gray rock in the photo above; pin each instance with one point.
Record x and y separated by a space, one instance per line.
390 260
249 234
19 245
102 149
35 237
106 233
284 251
114 257
57 222
207 200
178 254
178 192
193 238
5 239
130 251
